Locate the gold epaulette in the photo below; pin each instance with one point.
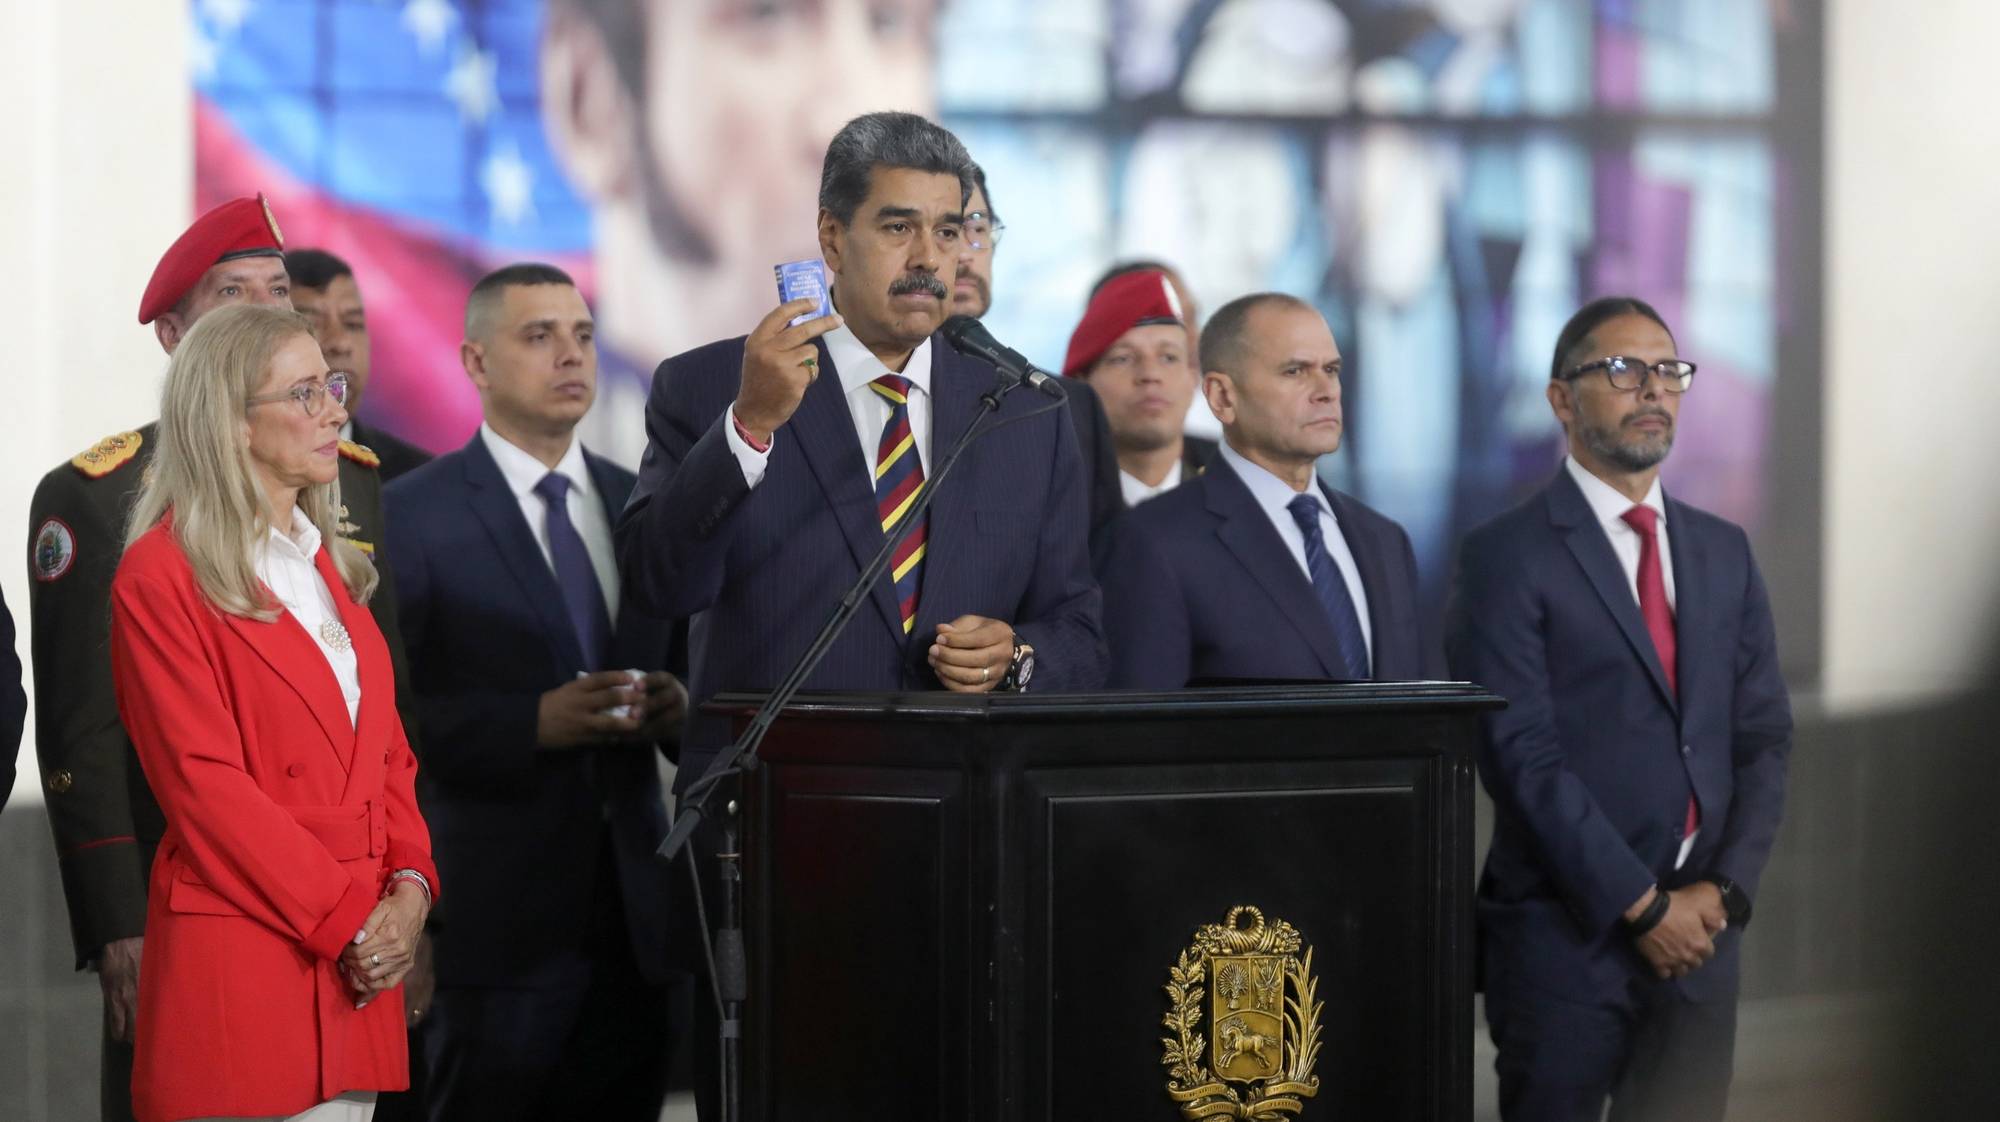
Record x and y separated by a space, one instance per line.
360 454
108 455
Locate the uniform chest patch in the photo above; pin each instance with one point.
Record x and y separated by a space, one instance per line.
54 550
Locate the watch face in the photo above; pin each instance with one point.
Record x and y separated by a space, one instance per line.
1027 671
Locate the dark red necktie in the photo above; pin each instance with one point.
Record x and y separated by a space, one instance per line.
1653 606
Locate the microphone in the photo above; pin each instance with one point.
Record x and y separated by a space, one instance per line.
970 337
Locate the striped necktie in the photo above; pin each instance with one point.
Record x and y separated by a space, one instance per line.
899 475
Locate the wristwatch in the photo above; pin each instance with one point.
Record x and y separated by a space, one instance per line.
1021 670
1735 902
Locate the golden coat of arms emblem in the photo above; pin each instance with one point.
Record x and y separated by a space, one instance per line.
1245 980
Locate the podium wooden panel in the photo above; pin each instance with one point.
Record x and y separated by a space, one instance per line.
966 907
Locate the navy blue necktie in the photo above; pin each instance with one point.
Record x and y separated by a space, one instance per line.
582 595
1332 590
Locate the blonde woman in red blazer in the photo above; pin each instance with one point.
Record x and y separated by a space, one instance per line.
296 873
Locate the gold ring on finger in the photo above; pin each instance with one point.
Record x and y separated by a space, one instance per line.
985 672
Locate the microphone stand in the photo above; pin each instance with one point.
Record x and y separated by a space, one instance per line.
727 963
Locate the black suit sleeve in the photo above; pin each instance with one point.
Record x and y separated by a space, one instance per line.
13 704
1062 613
673 538
1761 739
1145 613
474 737
97 796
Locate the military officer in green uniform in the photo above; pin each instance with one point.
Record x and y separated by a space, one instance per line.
105 821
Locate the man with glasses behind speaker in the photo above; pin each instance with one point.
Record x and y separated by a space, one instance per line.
1638 771
972 295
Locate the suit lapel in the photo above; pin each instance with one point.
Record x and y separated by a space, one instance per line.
1571 515
1248 534
378 684
824 428
954 399
1368 553
1692 596
295 657
500 512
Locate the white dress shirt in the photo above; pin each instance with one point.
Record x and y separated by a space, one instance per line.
1610 506
856 366
1274 497
1137 490
284 562
585 507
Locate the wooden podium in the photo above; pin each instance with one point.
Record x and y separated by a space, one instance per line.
970 907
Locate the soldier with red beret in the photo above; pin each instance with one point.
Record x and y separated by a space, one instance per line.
106 823
1134 348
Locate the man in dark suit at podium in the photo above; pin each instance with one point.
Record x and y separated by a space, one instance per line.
775 461
1638 771
1256 569
540 776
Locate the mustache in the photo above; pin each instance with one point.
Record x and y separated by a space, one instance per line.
1650 411
919 283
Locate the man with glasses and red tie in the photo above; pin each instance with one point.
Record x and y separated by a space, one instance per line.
105 820
1638 771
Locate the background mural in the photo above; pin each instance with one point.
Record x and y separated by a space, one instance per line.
1447 180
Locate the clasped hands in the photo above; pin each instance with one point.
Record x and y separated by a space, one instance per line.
1684 939
385 948
612 707
972 654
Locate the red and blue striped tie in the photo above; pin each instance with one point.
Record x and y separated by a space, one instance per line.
899 475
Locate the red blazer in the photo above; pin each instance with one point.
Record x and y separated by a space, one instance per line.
283 823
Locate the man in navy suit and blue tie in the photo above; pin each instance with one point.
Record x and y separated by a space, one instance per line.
775 461
544 703
1255 569
1638 771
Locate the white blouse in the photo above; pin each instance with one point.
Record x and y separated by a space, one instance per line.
284 562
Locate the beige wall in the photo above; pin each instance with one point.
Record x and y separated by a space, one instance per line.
99 142
99 147
1912 495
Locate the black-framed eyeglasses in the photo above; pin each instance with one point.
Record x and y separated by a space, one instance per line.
1630 373
982 231
308 396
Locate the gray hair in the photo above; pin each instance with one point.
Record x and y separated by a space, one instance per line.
891 140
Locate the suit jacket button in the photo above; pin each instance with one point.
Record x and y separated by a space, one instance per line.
295 770
1687 750
60 781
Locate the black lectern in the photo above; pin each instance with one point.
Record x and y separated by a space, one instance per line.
1246 902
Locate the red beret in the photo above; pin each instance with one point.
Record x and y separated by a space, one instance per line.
237 228
1125 302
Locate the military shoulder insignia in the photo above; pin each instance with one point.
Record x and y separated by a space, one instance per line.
54 550
108 455
360 454
1251 984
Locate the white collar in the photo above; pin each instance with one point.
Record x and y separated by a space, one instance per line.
1273 494
301 543
522 471
857 365
347 430
1606 501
